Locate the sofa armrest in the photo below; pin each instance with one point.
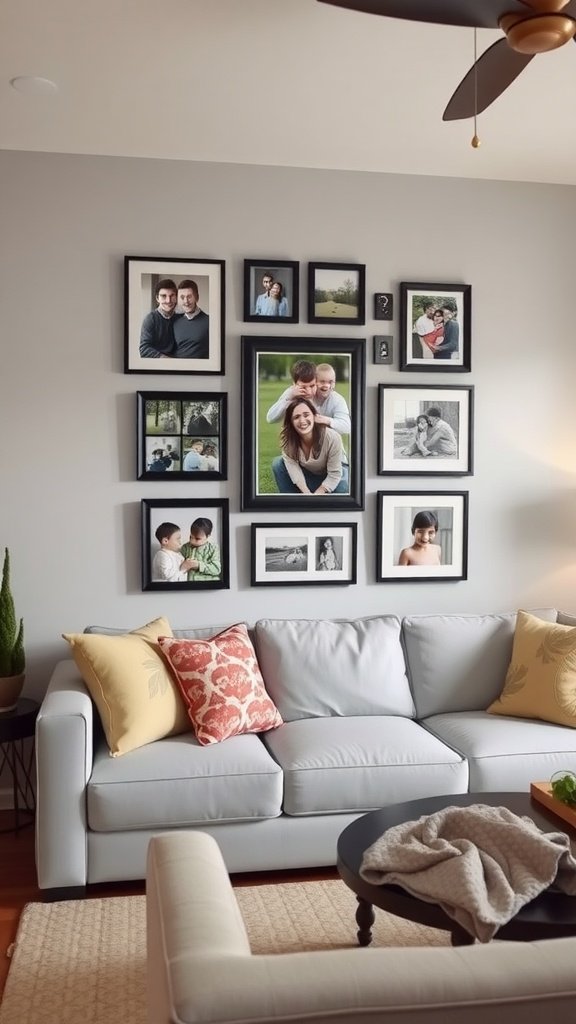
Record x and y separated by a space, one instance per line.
64 752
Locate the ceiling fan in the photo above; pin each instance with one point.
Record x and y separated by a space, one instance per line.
529 26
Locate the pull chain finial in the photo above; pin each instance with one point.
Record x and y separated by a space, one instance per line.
475 140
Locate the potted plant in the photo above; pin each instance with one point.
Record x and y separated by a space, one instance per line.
12 658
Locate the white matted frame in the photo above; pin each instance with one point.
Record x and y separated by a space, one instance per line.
435 327
297 554
401 558
413 441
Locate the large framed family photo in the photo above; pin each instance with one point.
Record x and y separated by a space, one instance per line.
182 435
337 293
303 423
297 554
185 544
173 315
425 430
422 536
271 291
435 327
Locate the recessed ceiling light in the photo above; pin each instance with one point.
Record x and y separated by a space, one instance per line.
32 85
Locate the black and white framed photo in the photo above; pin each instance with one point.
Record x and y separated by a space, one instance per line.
337 293
296 554
185 544
425 430
383 349
271 291
421 536
173 315
303 423
383 306
435 327
182 435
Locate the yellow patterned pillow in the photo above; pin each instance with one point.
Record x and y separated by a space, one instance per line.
541 678
129 681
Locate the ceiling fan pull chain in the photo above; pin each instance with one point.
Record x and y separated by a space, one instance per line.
475 140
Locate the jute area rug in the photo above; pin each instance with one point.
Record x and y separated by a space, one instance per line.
84 962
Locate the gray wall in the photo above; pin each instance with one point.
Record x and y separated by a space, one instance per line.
69 508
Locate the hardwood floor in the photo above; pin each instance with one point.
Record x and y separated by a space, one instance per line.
18 883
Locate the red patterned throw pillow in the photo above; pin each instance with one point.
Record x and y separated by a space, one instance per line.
221 684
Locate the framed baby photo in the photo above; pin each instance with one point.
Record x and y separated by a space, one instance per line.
300 554
303 423
173 315
425 430
421 536
182 435
271 291
185 544
337 293
435 327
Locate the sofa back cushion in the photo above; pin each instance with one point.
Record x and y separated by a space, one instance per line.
459 662
318 668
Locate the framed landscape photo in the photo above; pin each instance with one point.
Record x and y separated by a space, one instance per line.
182 435
173 315
185 544
303 423
422 536
336 293
435 327
271 291
297 554
425 430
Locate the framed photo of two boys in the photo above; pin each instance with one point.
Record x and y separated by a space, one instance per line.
303 423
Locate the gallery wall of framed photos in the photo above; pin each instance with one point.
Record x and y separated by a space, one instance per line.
304 420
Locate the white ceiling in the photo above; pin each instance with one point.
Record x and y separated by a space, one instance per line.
290 82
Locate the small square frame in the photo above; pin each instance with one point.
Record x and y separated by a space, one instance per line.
337 293
383 306
383 349
182 512
286 273
396 515
297 554
448 347
172 422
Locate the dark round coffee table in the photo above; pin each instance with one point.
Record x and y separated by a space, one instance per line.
551 915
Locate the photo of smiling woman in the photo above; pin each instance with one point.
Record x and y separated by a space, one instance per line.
312 454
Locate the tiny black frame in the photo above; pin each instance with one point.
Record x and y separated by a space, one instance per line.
158 336
267 383
383 306
435 327
182 435
337 293
214 560
300 554
264 301
422 536
425 430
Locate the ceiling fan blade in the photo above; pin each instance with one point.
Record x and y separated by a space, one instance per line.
493 72
472 13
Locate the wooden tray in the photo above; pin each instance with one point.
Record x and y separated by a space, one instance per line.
542 792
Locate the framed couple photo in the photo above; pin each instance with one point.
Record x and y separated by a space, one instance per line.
185 544
435 327
182 435
303 423
421 536
298 554
271 291
425 430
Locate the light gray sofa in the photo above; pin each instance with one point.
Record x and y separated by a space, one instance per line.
376 711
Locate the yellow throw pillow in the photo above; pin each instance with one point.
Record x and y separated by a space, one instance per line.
131 684
541 678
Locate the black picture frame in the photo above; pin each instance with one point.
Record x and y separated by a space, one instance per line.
383 349
182 513
412 443
449 347
383 306
189 428
298 554
151 344
266 367
396 538
337 293
286 274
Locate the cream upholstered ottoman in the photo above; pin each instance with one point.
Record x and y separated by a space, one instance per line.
200 968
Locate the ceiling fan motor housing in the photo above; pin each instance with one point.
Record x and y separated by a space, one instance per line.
537 33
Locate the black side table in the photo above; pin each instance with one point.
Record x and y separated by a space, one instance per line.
15 727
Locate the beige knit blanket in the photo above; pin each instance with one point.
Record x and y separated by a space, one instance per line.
481 864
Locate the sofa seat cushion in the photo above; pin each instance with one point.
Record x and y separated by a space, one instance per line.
459 662
506 753
176 783
321 667
358 764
